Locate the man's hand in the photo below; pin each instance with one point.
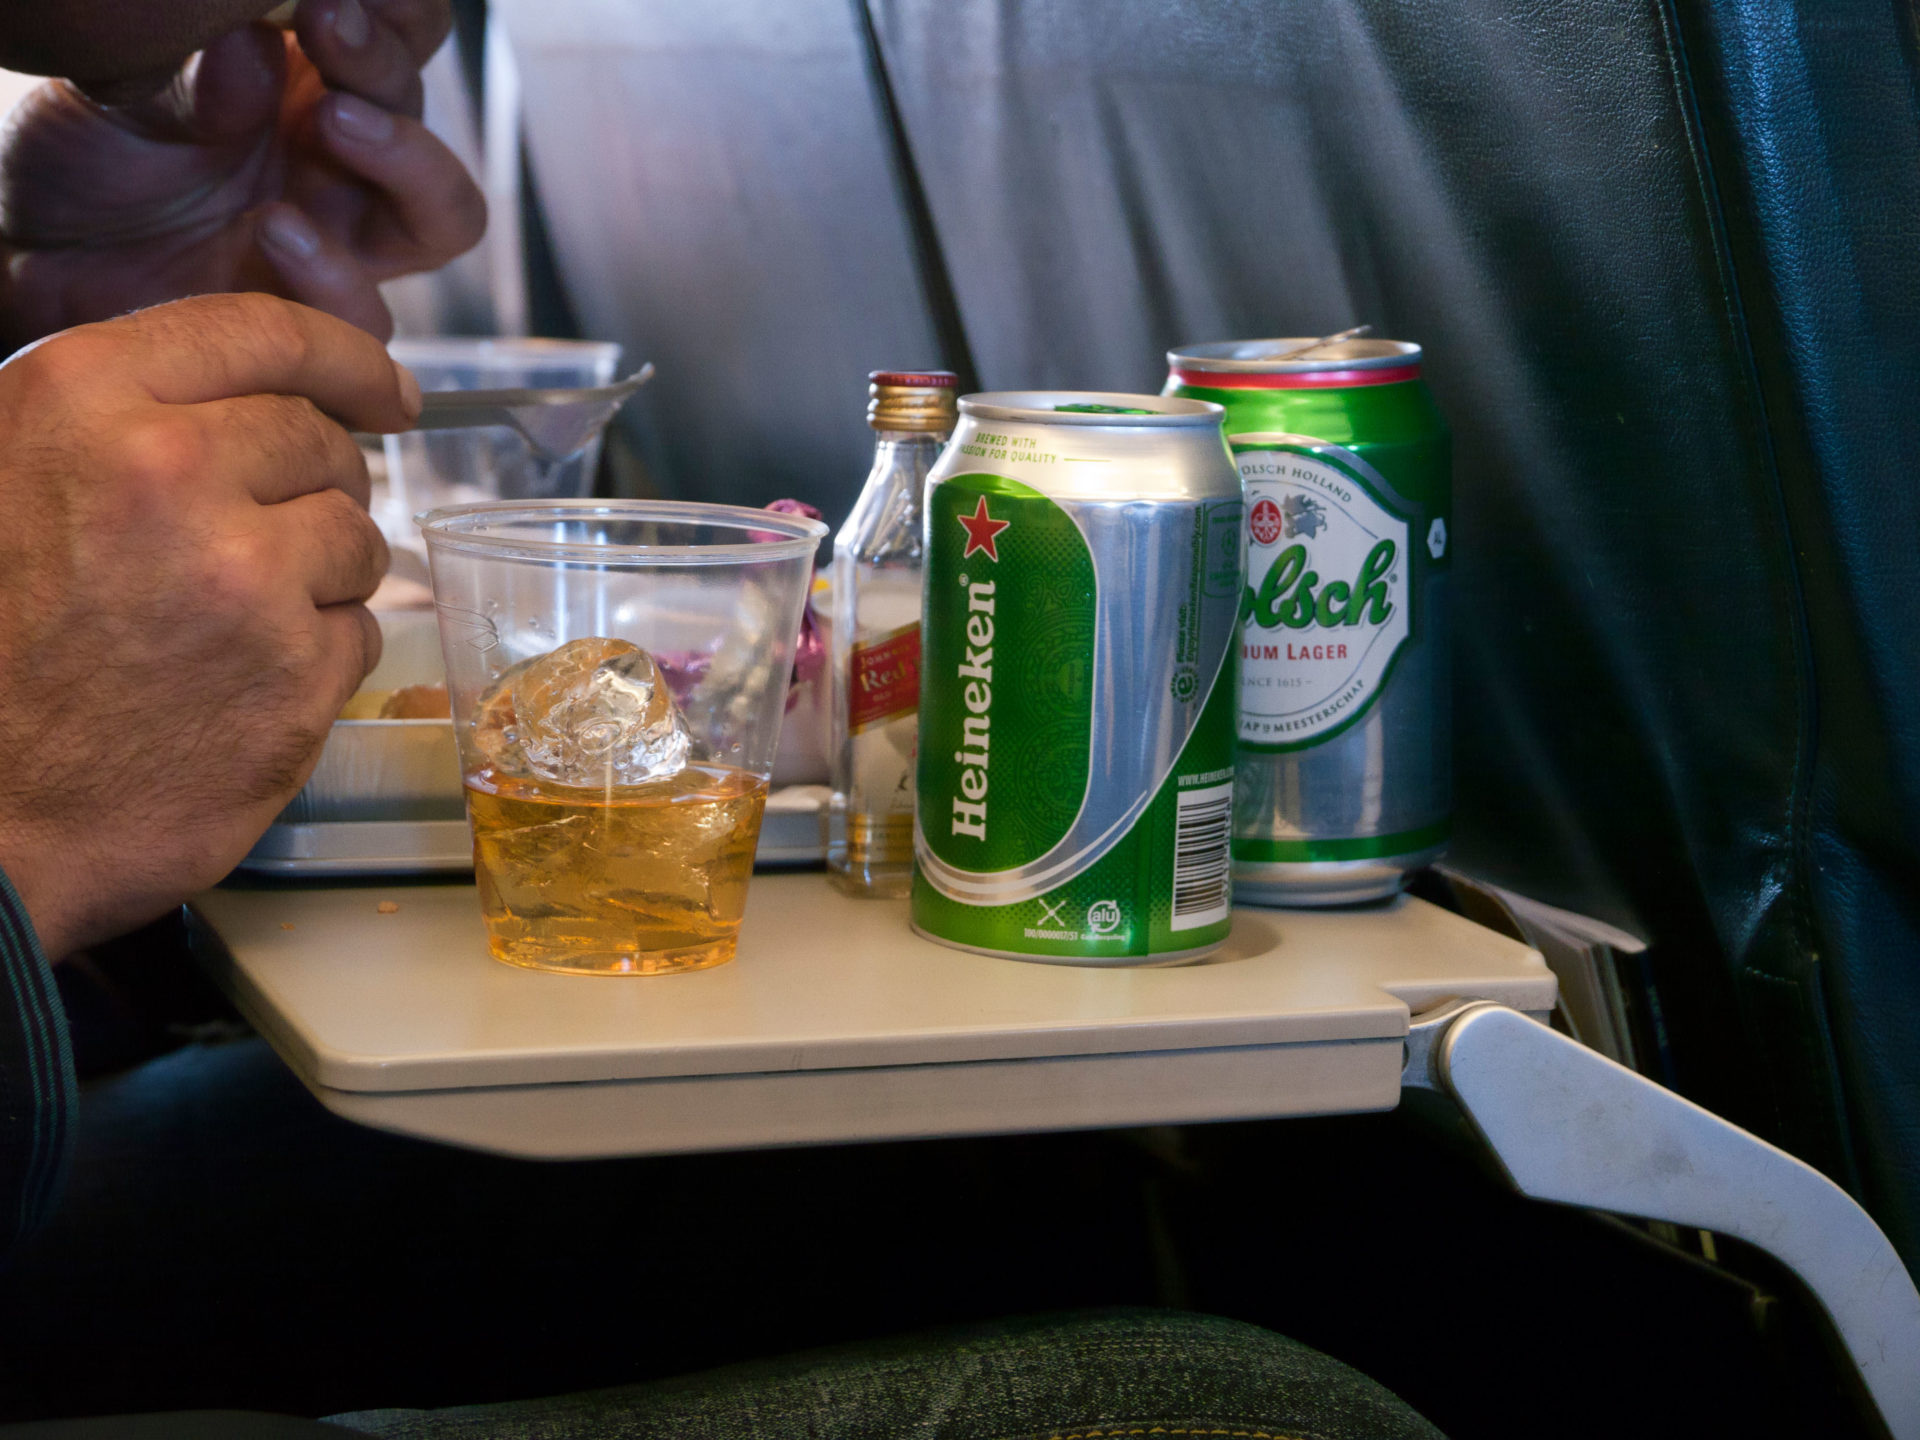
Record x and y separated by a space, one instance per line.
291 164
182 568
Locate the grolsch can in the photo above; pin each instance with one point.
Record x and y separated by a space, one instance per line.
1344 779
1075 776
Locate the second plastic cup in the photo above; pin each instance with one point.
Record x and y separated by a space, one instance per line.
427 469
617 672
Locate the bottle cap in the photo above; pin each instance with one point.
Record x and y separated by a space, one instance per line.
917 401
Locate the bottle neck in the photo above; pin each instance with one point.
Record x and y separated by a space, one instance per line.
909 439
903 457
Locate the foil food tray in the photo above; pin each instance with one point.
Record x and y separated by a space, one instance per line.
388 770
374 770
386 797
790 835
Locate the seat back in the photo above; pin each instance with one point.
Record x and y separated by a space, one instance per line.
1661 260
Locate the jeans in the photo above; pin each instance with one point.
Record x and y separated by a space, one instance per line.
227 1244
1101 1376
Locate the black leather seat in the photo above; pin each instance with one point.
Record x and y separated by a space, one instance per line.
1661 259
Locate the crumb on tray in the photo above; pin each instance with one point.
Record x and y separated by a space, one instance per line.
388 907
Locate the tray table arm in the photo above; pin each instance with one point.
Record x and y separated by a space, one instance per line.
1569 1126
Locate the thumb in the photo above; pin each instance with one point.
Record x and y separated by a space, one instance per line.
230 89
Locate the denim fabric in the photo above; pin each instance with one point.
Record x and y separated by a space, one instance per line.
179 1425
1104 1376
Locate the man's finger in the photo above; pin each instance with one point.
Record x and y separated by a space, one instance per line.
353 641
431 212
230 89
282 447
218 347
233 87
318 270
359 55
422 25
330 546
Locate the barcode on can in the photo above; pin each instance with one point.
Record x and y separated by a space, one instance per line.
1202 860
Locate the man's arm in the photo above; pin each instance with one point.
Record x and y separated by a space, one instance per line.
182 572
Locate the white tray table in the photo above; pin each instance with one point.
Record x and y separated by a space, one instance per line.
835 1023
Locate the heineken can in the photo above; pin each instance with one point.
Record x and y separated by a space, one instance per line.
1344 780
1084 568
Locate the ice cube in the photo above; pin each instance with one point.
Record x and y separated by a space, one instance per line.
594 712
496 730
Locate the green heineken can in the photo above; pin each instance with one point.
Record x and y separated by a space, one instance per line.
1084 563
1344 781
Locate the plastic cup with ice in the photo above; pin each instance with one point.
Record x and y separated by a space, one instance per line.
617 672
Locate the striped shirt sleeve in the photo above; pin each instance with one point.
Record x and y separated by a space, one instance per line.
37 1088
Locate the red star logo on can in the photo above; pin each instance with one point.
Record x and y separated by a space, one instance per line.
1265 522
981 529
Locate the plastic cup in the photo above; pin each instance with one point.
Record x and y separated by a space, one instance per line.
431 469
586 864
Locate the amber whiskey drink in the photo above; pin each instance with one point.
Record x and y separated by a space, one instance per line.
625 879
616 672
